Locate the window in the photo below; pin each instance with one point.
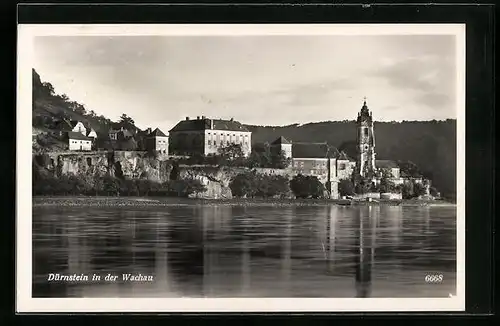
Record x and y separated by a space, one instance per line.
365 130
341 166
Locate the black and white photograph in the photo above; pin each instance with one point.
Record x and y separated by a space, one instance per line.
241 167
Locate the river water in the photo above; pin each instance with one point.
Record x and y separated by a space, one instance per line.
236 251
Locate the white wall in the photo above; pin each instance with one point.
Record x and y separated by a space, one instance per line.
161 144
76 144
80 128
214 139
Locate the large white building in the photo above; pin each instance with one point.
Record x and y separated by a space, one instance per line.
205 136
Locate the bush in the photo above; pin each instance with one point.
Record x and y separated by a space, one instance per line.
184 188
307 187
346 187
251 184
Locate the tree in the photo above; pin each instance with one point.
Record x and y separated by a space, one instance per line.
98 186
186 187
387 185
111 185
231 154
307 186
407 191
277 186
243 185
362 185
409 169
80 109
346 187
126 121
254 160
49 89
419 189
279 160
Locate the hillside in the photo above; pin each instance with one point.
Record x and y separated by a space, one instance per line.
48 106
431 145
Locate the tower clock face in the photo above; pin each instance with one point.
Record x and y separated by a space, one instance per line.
365 146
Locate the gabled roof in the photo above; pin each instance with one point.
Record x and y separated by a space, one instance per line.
344 156
77 136
204 124
385 164
280 140
73 123
157 133
314 150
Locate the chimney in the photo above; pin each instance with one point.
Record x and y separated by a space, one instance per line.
232 119
212 124
198 118
187 118
203 117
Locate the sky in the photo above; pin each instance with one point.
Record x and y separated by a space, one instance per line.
262 80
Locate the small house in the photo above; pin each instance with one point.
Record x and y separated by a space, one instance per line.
78 142
157 142
120 134
64 126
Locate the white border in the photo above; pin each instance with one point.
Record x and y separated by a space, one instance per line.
24 301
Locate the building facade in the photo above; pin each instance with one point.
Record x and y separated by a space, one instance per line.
204 136
157 142
78 142
62 127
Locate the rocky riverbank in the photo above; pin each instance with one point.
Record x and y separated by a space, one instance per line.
42 201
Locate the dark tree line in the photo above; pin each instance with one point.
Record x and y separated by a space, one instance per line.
254 185
359 185
49 107
47 184
232 155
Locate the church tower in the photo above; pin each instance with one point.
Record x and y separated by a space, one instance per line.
365 164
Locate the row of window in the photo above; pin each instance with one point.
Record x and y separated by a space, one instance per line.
236 139
81 142
314 172
223 134
221 142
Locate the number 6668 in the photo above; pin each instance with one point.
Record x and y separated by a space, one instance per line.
433 278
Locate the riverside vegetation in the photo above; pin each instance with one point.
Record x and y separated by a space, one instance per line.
246 184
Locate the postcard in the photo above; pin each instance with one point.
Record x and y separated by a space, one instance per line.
241 168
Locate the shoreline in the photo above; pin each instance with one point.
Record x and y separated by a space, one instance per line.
97 201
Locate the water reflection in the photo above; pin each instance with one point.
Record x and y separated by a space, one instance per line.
223 251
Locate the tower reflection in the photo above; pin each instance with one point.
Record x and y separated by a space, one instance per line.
364 249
